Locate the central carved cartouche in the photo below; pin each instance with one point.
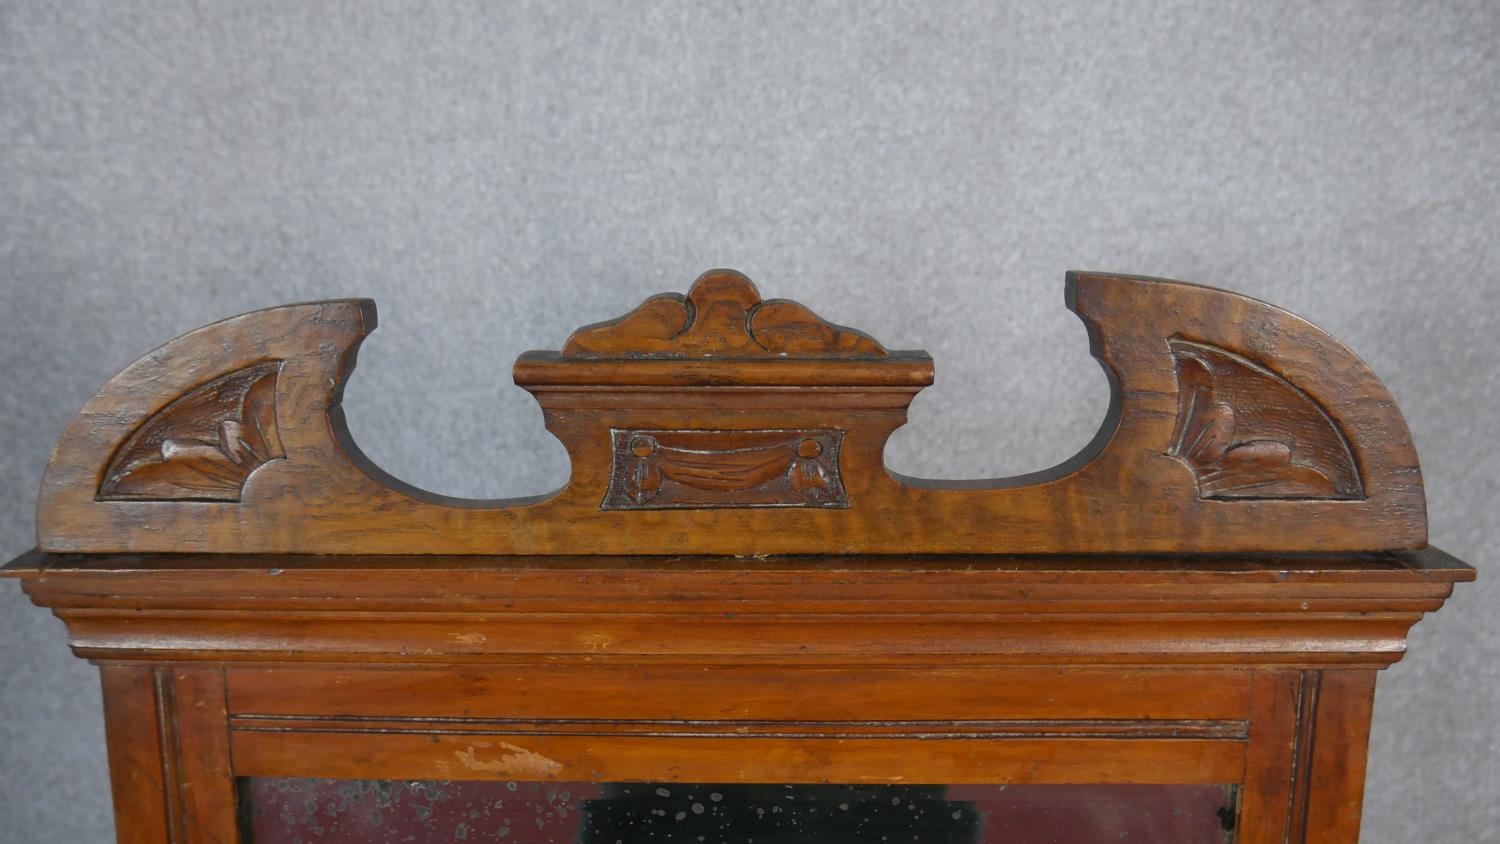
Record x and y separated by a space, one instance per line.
718 399
657 470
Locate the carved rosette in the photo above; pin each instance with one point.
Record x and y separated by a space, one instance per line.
656 470
204 445
1248 433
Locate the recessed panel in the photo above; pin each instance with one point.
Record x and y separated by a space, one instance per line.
302 811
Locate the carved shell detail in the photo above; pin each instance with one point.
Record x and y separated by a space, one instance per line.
1247 433
202 446
722 316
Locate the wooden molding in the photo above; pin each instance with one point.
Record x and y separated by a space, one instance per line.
723 423
1053 610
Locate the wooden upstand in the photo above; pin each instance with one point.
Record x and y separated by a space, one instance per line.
734 624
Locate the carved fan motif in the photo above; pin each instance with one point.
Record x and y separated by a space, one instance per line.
1246 432
204 445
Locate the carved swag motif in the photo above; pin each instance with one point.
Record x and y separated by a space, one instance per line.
690 469
203 445
1248 433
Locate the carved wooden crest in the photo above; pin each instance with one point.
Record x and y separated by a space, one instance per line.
737 425
721 316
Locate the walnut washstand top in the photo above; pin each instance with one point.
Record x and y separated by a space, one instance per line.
732 588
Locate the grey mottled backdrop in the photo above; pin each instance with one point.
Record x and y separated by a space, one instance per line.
498 173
